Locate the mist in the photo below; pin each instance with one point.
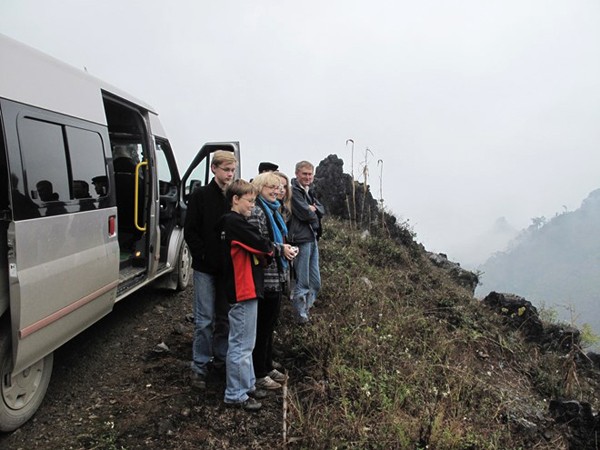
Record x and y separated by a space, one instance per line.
476 110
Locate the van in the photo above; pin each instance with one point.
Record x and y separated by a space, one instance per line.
91 209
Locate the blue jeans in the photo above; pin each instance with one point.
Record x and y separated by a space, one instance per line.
242 336
308 279
211 324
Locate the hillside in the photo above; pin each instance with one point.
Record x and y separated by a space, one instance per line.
554 262
398 355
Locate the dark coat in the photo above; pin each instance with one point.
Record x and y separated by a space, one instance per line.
206 206
245 254
304 225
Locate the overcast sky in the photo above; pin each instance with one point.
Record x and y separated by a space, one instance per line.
478 109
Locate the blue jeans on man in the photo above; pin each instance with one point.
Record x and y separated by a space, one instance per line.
242 336
211 324
308 279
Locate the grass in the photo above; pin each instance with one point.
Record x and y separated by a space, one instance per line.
399 356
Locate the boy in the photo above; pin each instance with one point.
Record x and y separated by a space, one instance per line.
245 254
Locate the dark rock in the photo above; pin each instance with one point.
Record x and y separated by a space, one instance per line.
560 337
333 188
583 425
519 313
594 359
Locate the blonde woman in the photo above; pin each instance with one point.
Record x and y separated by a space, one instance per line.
267 218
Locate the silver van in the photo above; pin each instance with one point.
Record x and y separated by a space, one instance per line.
91 209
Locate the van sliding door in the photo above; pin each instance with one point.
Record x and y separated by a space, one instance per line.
63 250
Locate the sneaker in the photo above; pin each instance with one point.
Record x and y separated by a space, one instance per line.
258 394
198 381
277 376
248 405
267 383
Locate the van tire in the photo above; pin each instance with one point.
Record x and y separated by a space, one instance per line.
184 265
20 400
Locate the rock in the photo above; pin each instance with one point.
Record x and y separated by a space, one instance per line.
561 337
162 347
519 313
463 277
367 282
582 423
334 190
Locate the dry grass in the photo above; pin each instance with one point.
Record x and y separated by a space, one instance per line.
399 356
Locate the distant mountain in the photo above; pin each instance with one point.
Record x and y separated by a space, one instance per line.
555 262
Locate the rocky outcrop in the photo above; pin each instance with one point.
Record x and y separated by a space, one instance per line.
334 189
465 278
522 315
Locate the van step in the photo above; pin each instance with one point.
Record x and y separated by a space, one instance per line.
130 276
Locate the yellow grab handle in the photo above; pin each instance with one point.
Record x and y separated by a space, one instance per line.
136 198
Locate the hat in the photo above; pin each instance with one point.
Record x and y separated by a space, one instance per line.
267 167
100 179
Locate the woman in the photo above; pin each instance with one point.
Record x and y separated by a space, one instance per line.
267 218
284 196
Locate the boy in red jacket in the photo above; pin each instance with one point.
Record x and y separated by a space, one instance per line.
245 254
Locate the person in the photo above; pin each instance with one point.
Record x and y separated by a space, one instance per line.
284 196
245 254
267 167
206 206
266 217
50 198
100 185
304 231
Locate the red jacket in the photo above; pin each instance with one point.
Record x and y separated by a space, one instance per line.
245 254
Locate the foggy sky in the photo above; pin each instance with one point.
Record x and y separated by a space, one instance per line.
479 110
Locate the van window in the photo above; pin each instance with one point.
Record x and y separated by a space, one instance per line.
87 163
61 164
44 161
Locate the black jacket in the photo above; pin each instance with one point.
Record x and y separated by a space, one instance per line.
206 206
304 225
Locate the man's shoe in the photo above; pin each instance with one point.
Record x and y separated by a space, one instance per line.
258 394
248 405
277 376
267 383
198 381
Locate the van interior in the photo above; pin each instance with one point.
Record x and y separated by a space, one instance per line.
129 150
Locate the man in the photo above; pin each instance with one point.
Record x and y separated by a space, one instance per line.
267 167
304 231
206 206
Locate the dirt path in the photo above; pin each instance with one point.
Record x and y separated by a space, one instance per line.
124 383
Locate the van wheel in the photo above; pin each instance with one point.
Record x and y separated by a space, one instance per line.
184 264
21 394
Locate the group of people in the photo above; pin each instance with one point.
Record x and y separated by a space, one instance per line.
248 241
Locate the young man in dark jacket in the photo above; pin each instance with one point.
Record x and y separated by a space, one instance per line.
245 254
206 206
304 231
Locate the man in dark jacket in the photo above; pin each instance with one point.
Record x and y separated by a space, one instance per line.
206 206
304 231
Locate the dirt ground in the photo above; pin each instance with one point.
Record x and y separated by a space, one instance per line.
124 384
